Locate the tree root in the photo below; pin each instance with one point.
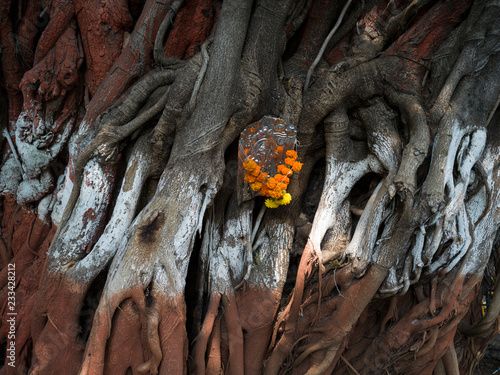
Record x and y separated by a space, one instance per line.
201 341
159 55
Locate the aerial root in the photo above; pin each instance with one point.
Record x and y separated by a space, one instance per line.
153 320
319 369
450 361
289 319
322 345
235 335
428 344
201 341
158 52
487 323
214 361
349 365
101 331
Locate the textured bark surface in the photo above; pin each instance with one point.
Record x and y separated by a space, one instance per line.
125 247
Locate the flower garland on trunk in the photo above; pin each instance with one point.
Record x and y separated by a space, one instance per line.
273 187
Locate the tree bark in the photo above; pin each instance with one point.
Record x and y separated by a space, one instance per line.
137 237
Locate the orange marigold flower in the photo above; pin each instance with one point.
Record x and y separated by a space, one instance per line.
279 150
264 191
249 165
289 161
249 178
256 186
297 166
276 194
280 178
282 186
291 154
271 183
284 170
255 172
262 177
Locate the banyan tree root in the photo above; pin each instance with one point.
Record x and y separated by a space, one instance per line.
395 236
237 278
384 277
82 270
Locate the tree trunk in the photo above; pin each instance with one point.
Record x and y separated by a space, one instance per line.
143 232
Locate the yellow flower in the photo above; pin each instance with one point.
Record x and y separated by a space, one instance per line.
271 203
287 198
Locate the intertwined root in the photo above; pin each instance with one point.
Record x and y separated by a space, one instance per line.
411 226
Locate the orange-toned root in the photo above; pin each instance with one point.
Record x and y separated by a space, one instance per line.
257 307
56 327
201 341
289 320
214 360
235 364
450 360
172 334
122 348
102 329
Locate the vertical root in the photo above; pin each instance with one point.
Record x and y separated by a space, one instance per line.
101 331
235 333
201 341
330 354
214 361
151 366
282 348
450 361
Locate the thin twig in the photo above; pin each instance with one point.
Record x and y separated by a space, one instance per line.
348 364
257 222
54 325
325 43
201 75
14 152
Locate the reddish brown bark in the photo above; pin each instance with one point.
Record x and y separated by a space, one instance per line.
191 27
26 240
105 28
11 68
257 321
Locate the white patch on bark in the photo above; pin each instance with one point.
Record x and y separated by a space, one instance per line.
36 159
364 237
123 214
82 226
340 179
484 232
10 176
64 188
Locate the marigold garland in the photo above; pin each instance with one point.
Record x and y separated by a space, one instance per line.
273 187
